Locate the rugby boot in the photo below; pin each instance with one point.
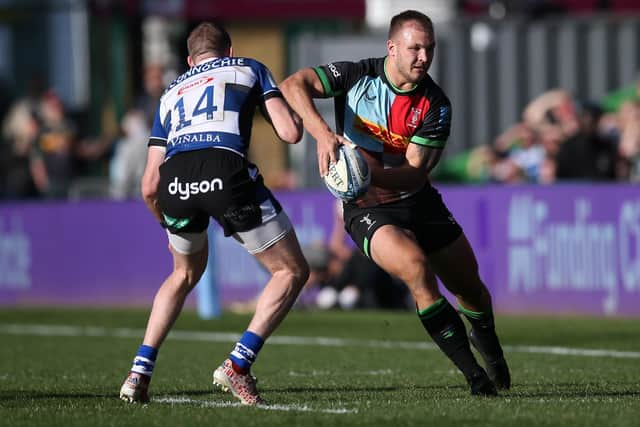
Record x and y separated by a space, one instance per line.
481 384
242 386
135 388
497 367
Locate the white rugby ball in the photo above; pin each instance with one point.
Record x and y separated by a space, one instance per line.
349 177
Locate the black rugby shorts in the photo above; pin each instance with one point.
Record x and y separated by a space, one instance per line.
424 213
211 182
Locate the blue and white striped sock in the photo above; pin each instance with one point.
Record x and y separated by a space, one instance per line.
145 360
246 350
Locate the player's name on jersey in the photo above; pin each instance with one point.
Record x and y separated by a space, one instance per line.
210 65
199 137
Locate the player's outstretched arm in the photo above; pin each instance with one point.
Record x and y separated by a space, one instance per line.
151 180
284 120
300 89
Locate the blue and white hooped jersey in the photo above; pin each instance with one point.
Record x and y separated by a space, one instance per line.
212 105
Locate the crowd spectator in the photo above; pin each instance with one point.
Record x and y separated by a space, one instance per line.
23 170
627 130
129 157
55 145
130 151
587 155
558 139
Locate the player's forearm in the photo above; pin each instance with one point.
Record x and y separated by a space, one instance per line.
286 122
299 93
412 174
151 181
150 194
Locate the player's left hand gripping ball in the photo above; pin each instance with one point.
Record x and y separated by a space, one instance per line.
350 176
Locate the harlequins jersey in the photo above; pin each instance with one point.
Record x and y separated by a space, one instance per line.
212 105
382 119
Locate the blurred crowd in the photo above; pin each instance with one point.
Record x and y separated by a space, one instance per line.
44 154
559 138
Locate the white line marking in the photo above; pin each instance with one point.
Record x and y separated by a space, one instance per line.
566 351
227 337
314 373
286 408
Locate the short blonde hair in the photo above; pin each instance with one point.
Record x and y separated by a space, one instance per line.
410 15
208 37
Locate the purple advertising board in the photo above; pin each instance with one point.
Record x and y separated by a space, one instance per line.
97 253
555 249
541 249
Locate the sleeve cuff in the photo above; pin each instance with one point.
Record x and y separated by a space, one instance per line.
427 142
325 81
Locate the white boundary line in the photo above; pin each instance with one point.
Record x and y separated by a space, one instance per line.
279 407
315 373
228 337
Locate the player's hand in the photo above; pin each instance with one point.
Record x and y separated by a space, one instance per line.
327 147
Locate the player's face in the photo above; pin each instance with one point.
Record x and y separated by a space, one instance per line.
411 52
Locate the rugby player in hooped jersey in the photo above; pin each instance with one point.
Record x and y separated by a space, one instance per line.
400 119
196 169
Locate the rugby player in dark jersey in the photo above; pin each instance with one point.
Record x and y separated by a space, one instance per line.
400 120
196 169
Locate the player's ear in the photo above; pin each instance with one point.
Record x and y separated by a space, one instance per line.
230 51
190 61
391 47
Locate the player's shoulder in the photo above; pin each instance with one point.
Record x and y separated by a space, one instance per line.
243 61
254 69
434 92
350 72
370 66
174 85
373 66
370 63
374 63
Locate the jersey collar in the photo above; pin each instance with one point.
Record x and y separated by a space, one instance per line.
393 86
213 58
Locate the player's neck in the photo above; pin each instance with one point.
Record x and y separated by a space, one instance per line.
206 59
395 79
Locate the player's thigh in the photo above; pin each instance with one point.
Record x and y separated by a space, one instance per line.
383 234
192 262
397 252
457 267
285 255
273 241
435 226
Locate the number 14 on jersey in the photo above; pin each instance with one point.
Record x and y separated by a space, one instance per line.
201 103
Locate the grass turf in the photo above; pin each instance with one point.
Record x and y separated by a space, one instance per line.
71 376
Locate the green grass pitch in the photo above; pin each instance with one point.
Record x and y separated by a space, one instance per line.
64 367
